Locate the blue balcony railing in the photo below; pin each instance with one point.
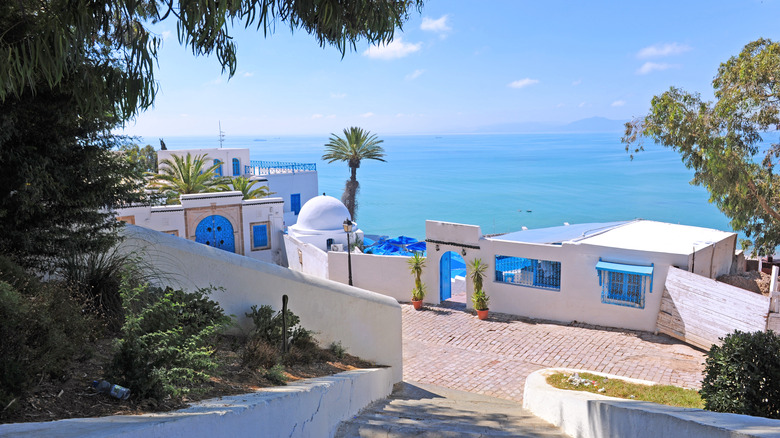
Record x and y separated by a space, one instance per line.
260 168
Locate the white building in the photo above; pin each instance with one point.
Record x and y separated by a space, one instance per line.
320 229
223 220
295 183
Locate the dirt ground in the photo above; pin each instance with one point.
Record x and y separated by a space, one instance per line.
753 281
72 396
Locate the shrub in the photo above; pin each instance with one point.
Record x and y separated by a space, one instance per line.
41 331
263 348
166 342
742 376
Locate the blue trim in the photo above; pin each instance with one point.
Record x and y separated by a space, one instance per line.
627 269
295 203
259 236
236 167
623 284
218 170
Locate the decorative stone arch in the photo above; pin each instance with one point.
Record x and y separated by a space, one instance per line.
193 216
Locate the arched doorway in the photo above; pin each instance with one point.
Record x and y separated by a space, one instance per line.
216 231
451 267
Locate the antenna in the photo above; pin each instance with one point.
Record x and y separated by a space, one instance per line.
221 135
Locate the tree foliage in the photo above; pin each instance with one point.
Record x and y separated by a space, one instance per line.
246 186
356 145
143 159
723 141
42 41
185 175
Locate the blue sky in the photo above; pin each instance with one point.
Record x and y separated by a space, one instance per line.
459 66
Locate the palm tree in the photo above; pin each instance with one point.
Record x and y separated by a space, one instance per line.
355 146
416 265
184 175
245 186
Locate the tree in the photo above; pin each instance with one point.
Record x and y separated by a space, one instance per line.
143 159
186 175
245 186
355 146
41 42
416 264
723 141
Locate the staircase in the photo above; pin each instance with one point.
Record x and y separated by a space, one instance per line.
415 409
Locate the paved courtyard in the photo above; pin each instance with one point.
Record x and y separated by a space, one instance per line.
448 346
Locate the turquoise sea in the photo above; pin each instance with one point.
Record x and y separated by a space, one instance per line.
500 182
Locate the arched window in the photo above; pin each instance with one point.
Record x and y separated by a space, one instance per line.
236 167
218 170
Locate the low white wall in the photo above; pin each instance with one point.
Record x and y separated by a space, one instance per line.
368 325
309 408
588 415
386 275
310 260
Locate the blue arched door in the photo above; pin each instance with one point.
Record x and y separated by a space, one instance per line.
216 231
445 279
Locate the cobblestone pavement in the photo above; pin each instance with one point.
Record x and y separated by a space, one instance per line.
448 346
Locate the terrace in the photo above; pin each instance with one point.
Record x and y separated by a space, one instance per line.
264 168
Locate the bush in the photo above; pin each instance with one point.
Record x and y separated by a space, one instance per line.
41 331
742 376
264 345
166 342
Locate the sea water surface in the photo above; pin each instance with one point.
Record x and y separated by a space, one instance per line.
500 182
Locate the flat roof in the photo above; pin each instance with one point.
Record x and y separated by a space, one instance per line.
644 235
564 233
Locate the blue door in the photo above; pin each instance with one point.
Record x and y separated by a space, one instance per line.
216 231
445 276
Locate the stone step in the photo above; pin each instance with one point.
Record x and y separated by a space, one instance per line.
415 409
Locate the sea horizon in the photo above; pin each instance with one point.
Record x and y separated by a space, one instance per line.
501 182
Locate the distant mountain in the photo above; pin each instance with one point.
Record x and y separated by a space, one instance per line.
592 124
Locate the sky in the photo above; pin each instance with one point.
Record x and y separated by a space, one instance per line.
457 67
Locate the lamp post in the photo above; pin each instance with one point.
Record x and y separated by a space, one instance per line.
348 230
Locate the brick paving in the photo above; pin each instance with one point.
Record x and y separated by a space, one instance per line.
448 346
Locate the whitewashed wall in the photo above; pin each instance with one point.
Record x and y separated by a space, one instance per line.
442 237
387 275
225 155
285 184
367 324
305 257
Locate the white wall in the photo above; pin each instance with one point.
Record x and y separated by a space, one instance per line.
367 324
305 257
387 275
285 184
225 155
264 210
168 219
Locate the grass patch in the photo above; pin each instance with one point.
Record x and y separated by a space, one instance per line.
663 394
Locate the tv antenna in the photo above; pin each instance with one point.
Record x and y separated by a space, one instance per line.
221 135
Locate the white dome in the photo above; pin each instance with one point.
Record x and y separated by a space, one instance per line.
322 213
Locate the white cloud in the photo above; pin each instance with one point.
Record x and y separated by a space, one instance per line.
650 67
217 81
367 115
438 25
317 116
248 74
520 83
581 105
577 82
332 116
338 95
414 75
618 103
661 50
396 49
560 105
166 34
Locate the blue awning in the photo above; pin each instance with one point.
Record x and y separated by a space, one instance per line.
628 269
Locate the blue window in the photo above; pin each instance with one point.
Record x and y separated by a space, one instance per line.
218 170
543 274
624 285
295 203
260 236
236 167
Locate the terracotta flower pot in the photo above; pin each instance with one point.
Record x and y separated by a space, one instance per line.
482 314
417 304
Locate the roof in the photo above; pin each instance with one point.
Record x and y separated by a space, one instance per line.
565 233
654 236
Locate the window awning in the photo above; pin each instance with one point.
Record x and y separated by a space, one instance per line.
627 269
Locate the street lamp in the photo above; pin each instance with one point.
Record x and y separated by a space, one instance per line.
348 230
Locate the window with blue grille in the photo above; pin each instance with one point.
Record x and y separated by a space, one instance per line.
623 284
236 167
295 203
218 170
260 236
543 274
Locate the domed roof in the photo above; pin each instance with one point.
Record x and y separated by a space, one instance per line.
322 213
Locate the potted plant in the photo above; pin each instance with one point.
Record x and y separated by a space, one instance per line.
479 298
416 265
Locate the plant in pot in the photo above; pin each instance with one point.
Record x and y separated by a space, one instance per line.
479 298
416 265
